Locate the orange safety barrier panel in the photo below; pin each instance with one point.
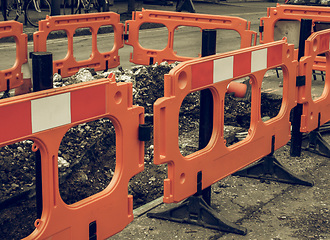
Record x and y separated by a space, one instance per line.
293 12
45 117
173 20
13 77
99 61
315 112
217 161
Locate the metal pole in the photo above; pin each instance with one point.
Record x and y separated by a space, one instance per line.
42 70
296 135
42 76
206 102
56 7
3 9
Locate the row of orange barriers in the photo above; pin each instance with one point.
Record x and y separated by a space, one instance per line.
12 78
114 101
112 208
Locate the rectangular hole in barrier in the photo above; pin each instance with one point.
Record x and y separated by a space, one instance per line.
82 44
57 44
155 36
189 124
92 231
228 40
86 160
319 80
8 52
289 29
105 39
271 94
18 210
319 26
237 111
187 41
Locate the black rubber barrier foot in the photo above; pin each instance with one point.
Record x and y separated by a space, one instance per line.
194 210
317 144
269 169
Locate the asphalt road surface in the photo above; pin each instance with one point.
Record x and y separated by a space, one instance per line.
187 40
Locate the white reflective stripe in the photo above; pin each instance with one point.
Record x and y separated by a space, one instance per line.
223 69
50 112
259 60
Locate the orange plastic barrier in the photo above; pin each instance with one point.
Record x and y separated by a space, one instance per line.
172 20
99 61
315 112
45 117
13 77
293 12
217 161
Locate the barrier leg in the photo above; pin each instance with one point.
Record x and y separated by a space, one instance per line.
316 143
196 209
270 169
42 75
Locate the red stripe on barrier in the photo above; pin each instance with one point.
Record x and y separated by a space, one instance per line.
87 103
15 121
239 68
202 74
274 55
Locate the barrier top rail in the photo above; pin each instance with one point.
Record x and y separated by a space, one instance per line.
290 12
13 77
99 61
315 111
318 15
173 20
45 117
217 161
